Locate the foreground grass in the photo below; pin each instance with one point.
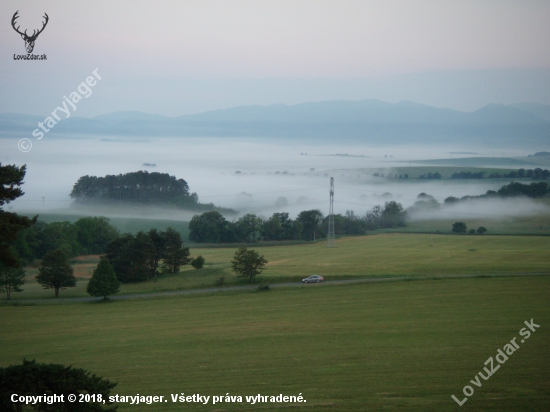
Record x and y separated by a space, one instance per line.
365 256
398 346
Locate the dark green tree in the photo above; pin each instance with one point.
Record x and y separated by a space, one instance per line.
198 262
156 250
248 228
459 227
209 227
393 214
104 281
129 256
11 279
248 263
175 254
55 272
11 179
94 233
481 230
35 379
311 223
280 227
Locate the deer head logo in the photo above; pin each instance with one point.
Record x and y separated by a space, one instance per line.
29 40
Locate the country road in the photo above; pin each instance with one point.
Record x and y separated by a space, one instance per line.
255 286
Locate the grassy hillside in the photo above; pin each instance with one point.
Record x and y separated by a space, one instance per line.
365 256
400 346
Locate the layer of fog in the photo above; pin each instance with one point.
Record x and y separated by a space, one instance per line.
250 175
494 208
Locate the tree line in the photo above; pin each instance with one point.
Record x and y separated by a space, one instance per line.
535 174
513 189
86 236
213 227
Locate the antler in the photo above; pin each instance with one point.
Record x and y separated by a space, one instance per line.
43 26
15 16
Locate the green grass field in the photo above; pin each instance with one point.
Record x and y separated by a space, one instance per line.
396 346
365 256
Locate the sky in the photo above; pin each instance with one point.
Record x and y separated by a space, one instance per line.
181 57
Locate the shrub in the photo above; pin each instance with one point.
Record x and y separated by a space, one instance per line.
198 262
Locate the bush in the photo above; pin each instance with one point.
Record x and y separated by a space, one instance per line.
198 262
35 379
472 231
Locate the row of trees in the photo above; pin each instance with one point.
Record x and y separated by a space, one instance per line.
88 235
430 175
129 258
461 228
145 255
535 174
513 189
212 227
468 175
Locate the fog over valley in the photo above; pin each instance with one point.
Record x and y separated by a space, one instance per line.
260 176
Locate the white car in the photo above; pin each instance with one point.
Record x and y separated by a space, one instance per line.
313 279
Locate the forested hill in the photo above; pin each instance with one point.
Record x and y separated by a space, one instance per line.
137 187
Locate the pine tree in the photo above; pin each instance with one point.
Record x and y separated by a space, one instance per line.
104 281
55 272
175 254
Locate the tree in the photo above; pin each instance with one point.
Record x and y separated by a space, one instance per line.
209 227
481 230
175 254
248 263
198 262
450 200
35 379
11 179
94 233
129 255
393 214
311 223
55 273
104 281
459 227
11 279
156 250
248 227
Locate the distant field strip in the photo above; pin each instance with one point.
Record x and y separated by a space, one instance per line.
382 255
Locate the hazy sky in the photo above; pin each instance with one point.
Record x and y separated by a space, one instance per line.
178 57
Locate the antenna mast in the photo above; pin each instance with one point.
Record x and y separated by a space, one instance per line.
330 235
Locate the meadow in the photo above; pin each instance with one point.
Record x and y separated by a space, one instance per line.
381 255
397 346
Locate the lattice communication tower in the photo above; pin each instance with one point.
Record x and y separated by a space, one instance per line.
330 235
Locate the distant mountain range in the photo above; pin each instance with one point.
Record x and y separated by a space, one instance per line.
368 121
